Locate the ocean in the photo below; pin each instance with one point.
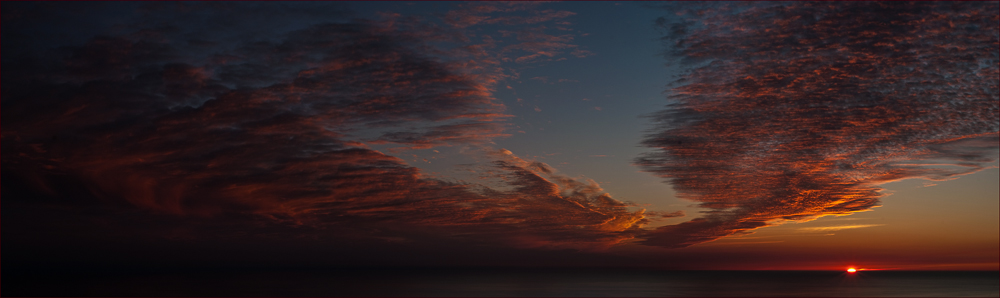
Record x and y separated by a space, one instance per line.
505 283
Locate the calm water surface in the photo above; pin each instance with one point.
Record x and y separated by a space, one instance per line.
494 282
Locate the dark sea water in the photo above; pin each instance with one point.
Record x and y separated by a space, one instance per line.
505 283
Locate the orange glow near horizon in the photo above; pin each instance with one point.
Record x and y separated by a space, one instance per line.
851 270
749 140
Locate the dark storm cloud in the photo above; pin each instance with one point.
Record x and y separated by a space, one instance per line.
792 111
181 120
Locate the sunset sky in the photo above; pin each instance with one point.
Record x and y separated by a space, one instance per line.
692 135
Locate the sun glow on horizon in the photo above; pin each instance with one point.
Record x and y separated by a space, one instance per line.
851 270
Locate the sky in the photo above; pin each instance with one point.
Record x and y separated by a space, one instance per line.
682 136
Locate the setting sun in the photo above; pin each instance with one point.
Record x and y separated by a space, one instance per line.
851 270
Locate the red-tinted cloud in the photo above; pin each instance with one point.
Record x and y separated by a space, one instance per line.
499 13
276 129
795 111
529 34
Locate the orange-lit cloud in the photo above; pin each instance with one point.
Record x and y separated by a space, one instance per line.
792 111
836 228
655 215
279 128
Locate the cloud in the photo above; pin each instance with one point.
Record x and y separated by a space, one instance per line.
835 228
278 129
561 207
534 43
524 38
793 111
546 80
654 215
493 13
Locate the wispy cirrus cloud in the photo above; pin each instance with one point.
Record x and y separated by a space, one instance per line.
544 35
278 127
793 111
501 13
836 228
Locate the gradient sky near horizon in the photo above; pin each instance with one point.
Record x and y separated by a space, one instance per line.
715 135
